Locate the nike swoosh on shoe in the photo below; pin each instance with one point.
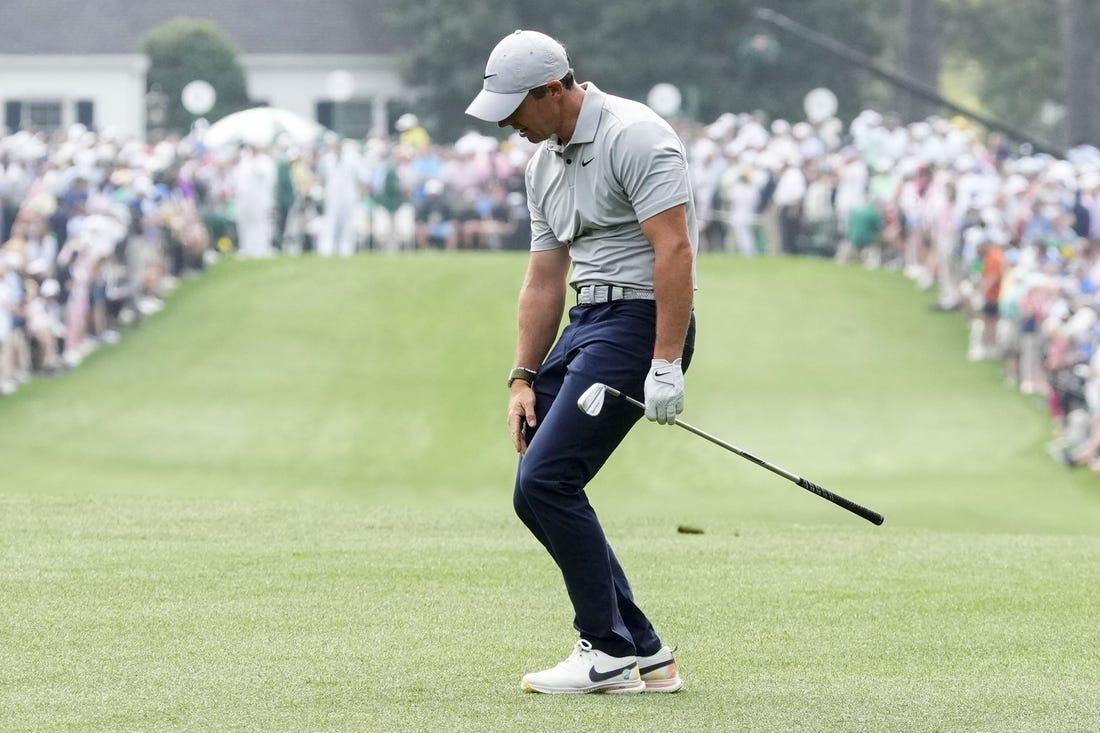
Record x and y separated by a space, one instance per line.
604 676
652 667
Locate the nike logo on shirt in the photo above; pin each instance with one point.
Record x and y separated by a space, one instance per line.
586 162
623 672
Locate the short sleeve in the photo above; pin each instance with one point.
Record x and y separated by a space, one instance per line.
651 166
542 237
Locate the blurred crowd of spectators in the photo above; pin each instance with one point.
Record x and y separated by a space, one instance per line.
95 230
1008 238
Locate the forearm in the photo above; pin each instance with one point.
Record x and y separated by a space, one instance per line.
674 287
541 306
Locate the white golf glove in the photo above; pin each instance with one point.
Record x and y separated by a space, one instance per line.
664 391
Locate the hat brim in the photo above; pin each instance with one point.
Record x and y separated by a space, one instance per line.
494 106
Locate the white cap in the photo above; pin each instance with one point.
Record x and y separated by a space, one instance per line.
521 62
975 236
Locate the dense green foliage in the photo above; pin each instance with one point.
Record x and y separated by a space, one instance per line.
723 60
1018 50
702 46
189 49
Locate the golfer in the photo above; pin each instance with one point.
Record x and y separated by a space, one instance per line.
608 193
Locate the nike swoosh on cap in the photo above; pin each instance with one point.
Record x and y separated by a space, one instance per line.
604 676
487 76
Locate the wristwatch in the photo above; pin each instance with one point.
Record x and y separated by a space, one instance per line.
527 375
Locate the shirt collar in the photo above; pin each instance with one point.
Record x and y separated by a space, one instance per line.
589 118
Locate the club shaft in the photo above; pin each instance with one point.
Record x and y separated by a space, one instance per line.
869 514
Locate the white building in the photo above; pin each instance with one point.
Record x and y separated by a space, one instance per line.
67 61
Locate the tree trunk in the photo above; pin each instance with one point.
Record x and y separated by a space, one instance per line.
1080 73
922 55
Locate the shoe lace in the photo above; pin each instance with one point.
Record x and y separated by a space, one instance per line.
581 650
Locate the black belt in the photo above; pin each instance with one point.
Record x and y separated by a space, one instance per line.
596 294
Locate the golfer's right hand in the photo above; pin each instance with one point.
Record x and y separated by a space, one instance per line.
521 411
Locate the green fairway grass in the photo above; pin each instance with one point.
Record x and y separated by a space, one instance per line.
284 504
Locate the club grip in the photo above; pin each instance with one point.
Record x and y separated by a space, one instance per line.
869 514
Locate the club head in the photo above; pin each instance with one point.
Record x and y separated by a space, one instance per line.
591 402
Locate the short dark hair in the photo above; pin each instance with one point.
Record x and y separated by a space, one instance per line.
566 81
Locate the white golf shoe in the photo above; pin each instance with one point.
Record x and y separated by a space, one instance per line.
587 670
659 672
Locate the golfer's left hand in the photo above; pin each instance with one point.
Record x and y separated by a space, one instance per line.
664 391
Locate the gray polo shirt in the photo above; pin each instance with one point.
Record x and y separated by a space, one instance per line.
623 165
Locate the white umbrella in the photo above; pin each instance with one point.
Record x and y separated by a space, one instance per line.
473 143
262 126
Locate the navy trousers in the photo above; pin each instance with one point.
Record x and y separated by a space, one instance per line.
611 343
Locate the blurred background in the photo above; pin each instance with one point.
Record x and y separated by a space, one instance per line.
357 66
951 140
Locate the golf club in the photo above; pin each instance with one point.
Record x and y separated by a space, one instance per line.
591 403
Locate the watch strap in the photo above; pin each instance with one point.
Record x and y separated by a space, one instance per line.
527 375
